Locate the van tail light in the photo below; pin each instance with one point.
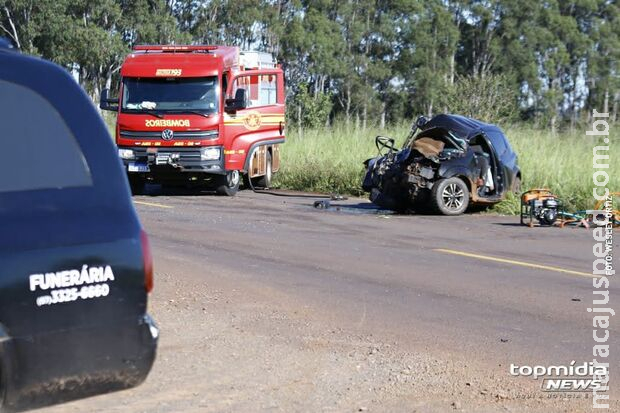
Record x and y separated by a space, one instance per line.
148 261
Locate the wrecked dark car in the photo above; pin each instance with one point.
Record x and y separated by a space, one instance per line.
446 164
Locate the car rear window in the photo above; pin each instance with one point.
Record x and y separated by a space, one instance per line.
39 151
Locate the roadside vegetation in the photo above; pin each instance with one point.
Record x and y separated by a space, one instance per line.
331 160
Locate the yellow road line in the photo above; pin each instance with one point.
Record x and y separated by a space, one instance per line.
514 262
152 204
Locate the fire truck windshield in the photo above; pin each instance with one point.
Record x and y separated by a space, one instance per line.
170 95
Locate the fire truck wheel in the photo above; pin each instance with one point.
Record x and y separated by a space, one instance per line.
265 180
228 184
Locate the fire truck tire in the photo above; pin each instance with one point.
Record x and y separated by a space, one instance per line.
228 184
265 180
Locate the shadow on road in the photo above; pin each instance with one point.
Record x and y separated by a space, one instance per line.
155 190
358 208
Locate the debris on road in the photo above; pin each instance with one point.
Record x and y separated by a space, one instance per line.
322 204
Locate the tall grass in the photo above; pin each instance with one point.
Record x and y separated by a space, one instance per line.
330 160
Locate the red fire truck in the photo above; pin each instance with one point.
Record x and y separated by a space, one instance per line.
199 115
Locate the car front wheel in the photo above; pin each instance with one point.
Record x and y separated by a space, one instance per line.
450 196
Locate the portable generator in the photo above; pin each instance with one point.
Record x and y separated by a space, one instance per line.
540 205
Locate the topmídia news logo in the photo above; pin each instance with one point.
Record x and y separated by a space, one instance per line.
585 377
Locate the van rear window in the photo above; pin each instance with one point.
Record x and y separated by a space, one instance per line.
39 151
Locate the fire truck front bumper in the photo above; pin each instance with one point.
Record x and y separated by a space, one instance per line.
153 160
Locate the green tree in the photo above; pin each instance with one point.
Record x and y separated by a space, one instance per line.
376 61
434 42
489 98
309 110
603 71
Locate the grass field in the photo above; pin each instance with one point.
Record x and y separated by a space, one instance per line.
330 160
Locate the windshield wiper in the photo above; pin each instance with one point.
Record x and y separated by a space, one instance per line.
152 112
197 112
148 112
194 112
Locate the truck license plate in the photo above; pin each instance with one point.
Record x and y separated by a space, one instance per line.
137 167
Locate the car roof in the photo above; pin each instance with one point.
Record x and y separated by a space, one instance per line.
461 126
108 197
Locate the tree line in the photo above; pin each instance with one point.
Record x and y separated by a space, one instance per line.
361 61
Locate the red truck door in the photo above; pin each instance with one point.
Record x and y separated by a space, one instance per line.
258 121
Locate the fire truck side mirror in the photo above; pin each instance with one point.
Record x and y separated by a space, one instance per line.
239 102
107 103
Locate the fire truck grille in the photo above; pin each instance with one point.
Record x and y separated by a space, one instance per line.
185 154
188 158
153 136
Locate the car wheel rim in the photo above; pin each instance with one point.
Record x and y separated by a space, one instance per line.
453 197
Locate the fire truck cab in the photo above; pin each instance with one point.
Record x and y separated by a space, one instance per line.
199 115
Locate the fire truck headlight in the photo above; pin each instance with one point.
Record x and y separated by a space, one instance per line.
210 154
125 153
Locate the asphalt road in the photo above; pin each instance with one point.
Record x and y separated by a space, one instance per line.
266 303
